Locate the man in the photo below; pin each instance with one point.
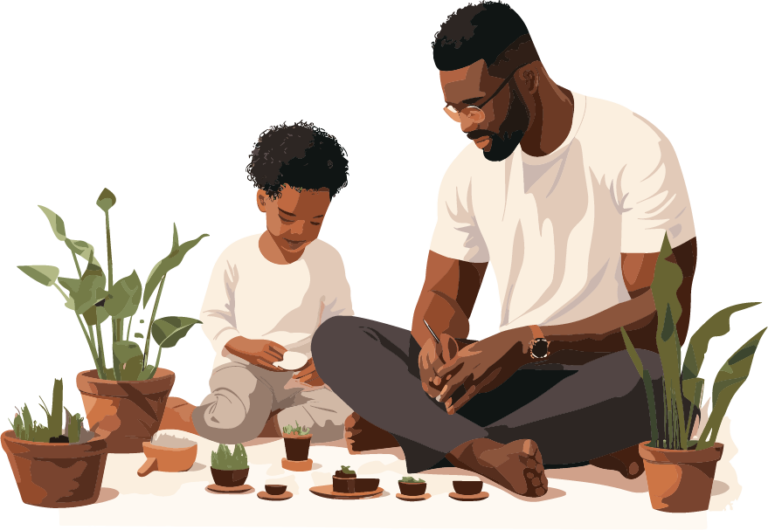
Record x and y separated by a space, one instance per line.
569 197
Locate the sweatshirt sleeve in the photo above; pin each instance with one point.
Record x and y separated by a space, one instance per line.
338 298
218 312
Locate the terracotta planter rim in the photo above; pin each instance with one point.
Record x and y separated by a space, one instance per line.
89 383
58 451
297 436
662 456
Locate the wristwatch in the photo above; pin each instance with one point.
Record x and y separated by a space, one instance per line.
539 346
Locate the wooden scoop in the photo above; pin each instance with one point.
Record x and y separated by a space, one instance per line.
168 459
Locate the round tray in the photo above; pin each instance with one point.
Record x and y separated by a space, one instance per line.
328 493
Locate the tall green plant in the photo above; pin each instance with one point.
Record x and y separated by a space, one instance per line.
680 378
24 428
95 298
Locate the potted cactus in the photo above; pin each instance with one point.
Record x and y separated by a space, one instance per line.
344 480
128 399
412 487
297 441
680 471
57 465
229 469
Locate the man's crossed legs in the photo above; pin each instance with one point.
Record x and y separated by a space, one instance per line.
565 413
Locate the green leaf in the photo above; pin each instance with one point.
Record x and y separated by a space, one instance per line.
88 291
692 389
124 298
45 274
138 335
106 200
729 379
131 371
175 244
667 279
169 330
168 263
125 350
57 223
647 384
82 249
716 326
146 373
95 315
632 352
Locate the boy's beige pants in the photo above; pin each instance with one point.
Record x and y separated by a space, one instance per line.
243 396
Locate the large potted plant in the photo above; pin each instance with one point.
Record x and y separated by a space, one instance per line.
128 399
57 465
680 471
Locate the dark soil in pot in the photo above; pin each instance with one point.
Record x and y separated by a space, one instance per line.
229 478
412 489
275 489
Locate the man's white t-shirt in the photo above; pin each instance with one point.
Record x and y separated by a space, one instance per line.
554 227
252 297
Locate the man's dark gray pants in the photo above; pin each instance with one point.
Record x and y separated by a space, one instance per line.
574 412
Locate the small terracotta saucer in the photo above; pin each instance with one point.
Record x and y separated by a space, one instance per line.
413 497
267 497
245 488
297 465
477 497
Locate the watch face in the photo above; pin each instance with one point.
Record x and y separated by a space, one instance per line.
539 348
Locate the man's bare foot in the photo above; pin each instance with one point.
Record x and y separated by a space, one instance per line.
627 462
178 416
362 435
517 466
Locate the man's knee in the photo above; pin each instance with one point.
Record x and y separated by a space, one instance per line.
331 342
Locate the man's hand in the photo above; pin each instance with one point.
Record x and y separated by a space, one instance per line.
261 353
482 366
308 375
433 356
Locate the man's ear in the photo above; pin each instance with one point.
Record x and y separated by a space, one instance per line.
261 200
529 77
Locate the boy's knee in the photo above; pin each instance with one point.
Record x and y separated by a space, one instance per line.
224 420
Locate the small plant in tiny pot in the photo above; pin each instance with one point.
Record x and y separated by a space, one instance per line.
412 487
297 441
680 471
344 480
229 469
59 464
127 400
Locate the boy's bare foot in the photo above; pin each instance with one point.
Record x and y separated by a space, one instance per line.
627 462
362 435
517 466
178 416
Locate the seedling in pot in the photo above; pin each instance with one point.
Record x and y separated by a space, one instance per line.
227 468
24 428
412 487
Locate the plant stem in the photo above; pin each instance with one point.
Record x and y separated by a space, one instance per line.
128 335
101 345
74 257
109 252
91 347
152 321
157 363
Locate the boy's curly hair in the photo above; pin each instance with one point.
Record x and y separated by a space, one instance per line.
301 156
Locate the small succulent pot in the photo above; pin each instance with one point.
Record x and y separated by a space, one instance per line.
229 478
344 484
297 447
412 489
275 489
364 485
467 487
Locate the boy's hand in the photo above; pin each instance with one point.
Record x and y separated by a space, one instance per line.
261 353
308 375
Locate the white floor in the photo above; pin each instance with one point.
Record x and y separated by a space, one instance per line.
584 497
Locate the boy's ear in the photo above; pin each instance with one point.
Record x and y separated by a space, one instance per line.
261 200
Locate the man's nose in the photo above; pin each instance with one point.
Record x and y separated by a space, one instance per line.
467 125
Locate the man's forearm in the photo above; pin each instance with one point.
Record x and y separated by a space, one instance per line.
602 332
443 314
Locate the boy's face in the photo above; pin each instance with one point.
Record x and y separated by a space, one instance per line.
294 219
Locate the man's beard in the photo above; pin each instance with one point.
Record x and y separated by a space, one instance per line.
504 143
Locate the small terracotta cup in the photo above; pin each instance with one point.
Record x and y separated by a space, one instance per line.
275 489
467 487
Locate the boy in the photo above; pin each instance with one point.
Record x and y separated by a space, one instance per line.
268 294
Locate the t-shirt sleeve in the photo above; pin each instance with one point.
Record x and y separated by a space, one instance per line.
217 314
457 235
338 297
653 199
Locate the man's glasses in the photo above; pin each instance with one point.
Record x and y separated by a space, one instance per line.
473 113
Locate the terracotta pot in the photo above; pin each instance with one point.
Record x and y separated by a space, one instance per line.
412 488
467 487
680 481
56 475
275 489
229 478
297 447
129 411
344 485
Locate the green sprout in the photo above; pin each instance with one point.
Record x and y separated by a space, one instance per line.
347 470
223 459
412 480
299 431
24 428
